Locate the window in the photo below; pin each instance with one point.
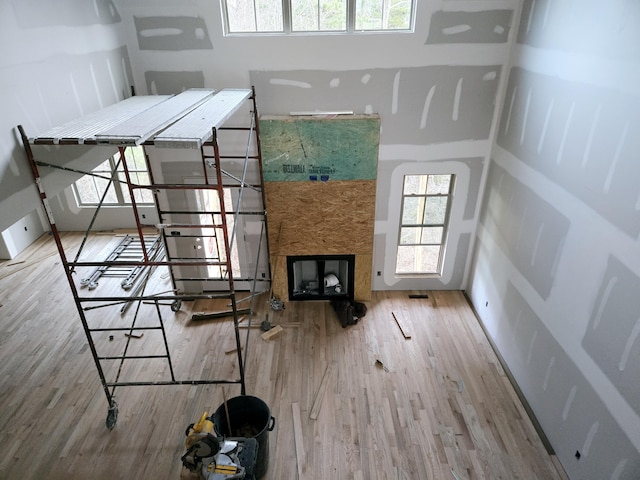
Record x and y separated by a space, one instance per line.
425 212
89 189
293 16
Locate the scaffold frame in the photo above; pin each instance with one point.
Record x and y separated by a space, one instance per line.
190 120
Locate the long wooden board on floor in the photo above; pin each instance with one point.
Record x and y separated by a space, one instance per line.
403 327
322 390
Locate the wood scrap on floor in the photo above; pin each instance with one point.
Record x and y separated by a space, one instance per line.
24 264
301 456
455 475
15 263
403 328
381 365
317 401
215 315
290 324
232 350
134 335
266 336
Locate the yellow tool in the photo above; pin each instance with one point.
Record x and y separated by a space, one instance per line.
201 442
199 430
213 457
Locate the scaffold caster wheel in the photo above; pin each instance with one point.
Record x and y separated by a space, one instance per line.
175 306
112 416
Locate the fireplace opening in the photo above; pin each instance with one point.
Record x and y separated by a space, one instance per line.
320 277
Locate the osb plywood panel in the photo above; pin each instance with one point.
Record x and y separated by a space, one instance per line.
321 218
279 277
343 147
313 218
362 287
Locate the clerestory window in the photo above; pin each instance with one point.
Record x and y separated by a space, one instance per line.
299 16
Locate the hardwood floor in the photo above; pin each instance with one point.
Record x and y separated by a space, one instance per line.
436 405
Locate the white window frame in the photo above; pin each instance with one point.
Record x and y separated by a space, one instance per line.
350 13
117 184
444 225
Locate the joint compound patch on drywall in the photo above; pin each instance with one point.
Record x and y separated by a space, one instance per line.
476 166
417 105
489 26
613 336
172 33
531 232
570 412
71 13
168 83
584 138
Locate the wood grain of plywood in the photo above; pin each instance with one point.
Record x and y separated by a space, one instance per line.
327 217
322 218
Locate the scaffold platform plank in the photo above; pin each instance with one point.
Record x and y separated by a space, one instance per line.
140 128
195 128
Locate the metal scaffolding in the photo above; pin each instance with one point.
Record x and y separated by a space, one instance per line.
185 123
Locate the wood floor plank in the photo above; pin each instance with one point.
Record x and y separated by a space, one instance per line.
443 401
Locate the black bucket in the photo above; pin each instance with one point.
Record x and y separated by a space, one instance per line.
250 417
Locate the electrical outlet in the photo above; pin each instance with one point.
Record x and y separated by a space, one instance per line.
379 273
486 304
578 455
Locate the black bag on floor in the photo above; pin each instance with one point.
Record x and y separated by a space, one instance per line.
348 313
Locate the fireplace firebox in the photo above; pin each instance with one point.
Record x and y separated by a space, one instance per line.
320 277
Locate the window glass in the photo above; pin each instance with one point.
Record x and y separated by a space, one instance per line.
314 15
426 201
383 14
245 16
285 16
89 189
435 210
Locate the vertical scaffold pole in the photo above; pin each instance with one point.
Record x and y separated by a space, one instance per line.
113 407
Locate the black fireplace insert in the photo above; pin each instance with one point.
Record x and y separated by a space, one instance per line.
320 277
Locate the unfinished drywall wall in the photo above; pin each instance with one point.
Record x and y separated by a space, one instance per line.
23 232
57 64
167 83
611 338
490 26
172 33
435 88
418 107
556 264
564 129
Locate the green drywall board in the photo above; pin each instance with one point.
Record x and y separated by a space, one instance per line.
322 149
